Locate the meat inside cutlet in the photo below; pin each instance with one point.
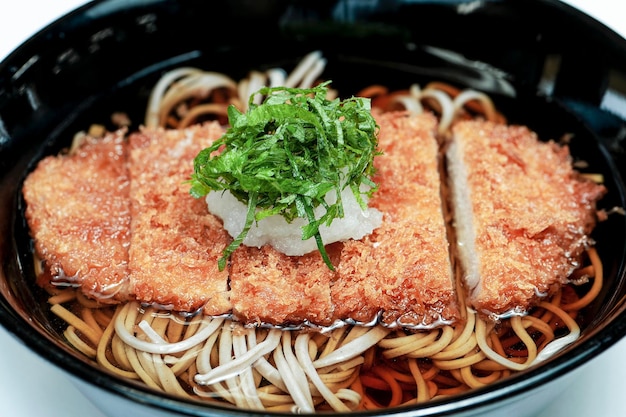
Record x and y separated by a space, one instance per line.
522 214
403 269
78 211
175 243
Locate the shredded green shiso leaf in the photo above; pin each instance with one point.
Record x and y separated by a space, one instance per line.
284 155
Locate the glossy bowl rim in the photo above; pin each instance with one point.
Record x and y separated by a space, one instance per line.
601 339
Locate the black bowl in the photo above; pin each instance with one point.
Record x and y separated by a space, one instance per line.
556 78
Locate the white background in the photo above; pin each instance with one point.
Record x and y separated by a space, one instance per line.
599 390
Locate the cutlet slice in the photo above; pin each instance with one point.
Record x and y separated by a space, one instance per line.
403 269
175 242
268 286
522 214
79 216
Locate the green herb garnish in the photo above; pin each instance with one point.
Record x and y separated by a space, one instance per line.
284 155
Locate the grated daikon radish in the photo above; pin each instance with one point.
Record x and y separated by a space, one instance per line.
287 237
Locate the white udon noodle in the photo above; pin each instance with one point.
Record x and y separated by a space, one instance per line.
220 358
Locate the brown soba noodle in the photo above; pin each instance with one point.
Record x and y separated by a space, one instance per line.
342 369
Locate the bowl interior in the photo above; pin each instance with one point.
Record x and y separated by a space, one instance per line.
106 56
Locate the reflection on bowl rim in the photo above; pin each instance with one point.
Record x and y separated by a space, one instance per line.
531 379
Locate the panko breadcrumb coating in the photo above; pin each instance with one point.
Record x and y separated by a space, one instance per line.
403 269
522 214
116 218
78 211
175 243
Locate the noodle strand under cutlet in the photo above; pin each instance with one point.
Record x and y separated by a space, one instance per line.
160 346
242 362
294 378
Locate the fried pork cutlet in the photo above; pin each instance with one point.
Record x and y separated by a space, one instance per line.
78 211
403 268
522 214
120 223
175 243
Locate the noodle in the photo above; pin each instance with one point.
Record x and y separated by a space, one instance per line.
347 368
597 283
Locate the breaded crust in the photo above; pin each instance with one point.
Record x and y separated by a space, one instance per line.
78 211
268 286
120 223
403 269
522 214
175 242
